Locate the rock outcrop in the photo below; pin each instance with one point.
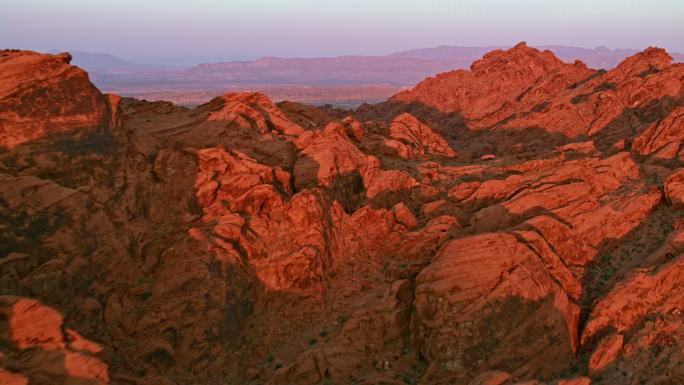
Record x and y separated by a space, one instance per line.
253 110
42 95
523 88
37 349
455 308
498 86
674 188
414 138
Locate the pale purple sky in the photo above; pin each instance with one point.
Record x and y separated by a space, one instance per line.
205 30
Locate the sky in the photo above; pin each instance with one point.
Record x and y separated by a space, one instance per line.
175 31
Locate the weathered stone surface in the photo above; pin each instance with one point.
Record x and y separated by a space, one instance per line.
418 138
28 112
454 303
255 110
674 188
36 351
606 352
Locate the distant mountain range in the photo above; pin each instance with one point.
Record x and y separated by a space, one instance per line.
392 72
100 62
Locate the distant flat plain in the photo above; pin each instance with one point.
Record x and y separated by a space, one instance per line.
343 81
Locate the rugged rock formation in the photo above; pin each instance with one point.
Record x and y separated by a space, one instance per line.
498 86
37 350
525 88
43 94
512 291
673 186
518 223
252 109
414 138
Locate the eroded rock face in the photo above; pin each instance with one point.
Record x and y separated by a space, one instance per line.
328 157
252 109
38 350
443 237
417 138
674 188
512 291
328 154
641 314
663 138
524 88
499 85
43 94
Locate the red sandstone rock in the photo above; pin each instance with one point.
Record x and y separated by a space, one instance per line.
353 127
380 181
674 188
404 215
651 58
418 138
432 207
252 109
606 352
497 86
503 378
491 378
329 154
454 303
9 378
27 112
31 324
645 291
580 147
522 88
663 138
239 181
35 331
78 342
325 155
573 381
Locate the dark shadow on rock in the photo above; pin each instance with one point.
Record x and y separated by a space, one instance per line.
504 219
617 258
310 117
632 122
526 143
348 190
114 235
527 338
387 199
48 358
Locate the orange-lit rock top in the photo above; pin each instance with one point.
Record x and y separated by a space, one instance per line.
43 94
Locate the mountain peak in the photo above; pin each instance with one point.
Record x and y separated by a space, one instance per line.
65 57
648 59
520 57
521 45
502 79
